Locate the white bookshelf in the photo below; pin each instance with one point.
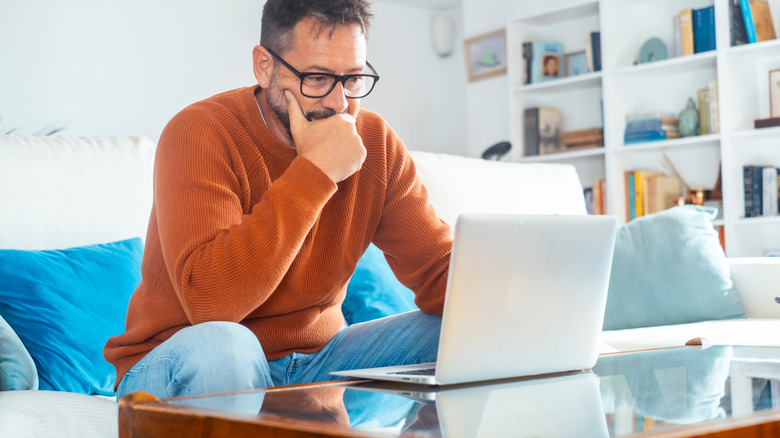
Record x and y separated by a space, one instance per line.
662 86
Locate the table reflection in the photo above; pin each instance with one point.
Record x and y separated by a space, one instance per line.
624 394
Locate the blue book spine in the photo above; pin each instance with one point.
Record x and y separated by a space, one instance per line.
709 27
642 136
758 191
631 190
747 184
698 31
750 28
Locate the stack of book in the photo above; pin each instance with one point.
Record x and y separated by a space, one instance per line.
750 21
594 197
586 138
694 31
761 190
649 192
650 127
709 118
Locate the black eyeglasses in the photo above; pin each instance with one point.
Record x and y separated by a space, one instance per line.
317 85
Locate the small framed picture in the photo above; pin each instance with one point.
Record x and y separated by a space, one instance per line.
774 93
576 63
485 55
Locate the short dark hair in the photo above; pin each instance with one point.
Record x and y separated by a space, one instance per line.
281 16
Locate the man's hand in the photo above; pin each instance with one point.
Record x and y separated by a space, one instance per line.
332 144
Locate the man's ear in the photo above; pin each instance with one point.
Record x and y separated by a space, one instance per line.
263 65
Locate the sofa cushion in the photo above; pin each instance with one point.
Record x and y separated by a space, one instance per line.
471 185
374 292
669 268
17 369
63 192
65 304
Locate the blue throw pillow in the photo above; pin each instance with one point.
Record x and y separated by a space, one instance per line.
17 369
65 304
669 268
374 292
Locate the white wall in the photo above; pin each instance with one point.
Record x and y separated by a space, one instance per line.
125 68
119 68
420 94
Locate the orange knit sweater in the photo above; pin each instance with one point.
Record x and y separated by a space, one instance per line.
243 230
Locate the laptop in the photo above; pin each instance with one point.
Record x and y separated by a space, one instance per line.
525 296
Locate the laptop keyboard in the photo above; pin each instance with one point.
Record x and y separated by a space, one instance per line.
422 372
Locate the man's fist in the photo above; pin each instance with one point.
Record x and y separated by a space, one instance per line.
332 143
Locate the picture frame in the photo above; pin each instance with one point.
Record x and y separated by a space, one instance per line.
576 63
485 55
774 93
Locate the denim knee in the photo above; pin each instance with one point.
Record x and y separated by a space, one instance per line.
223 356
205 358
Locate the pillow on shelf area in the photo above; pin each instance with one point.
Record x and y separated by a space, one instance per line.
373 291
17 369
65 304
669 268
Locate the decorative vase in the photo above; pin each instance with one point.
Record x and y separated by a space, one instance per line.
689 119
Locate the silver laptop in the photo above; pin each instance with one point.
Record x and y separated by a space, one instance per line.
525 296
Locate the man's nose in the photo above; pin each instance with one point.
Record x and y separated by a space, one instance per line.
336 100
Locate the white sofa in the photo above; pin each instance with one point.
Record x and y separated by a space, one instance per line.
59 192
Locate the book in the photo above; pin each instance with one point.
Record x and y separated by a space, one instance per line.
542 131
630 198
527 56
661 192
598 196
653 115
686 31
736 24
530 132
704 112
769 191
583 138
676 37
550 131
589 53
649 135
758 20
546 61
595 45
714 107
589 205
669 123
767 123
703 29
753 180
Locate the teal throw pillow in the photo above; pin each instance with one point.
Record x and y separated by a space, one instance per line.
17 369
669 268
374 292
65 304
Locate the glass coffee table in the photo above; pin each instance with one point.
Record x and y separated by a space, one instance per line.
720 391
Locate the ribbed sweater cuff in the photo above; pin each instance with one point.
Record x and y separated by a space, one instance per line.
310 184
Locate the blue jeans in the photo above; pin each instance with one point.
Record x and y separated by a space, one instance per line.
224 356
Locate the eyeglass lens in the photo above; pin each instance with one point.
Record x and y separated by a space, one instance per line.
321 85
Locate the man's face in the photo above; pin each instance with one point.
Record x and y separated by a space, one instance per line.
316 50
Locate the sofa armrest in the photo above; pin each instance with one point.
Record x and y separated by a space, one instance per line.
757 281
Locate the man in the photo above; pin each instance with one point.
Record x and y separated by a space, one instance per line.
265 199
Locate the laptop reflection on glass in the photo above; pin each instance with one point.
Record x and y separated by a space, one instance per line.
526 295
